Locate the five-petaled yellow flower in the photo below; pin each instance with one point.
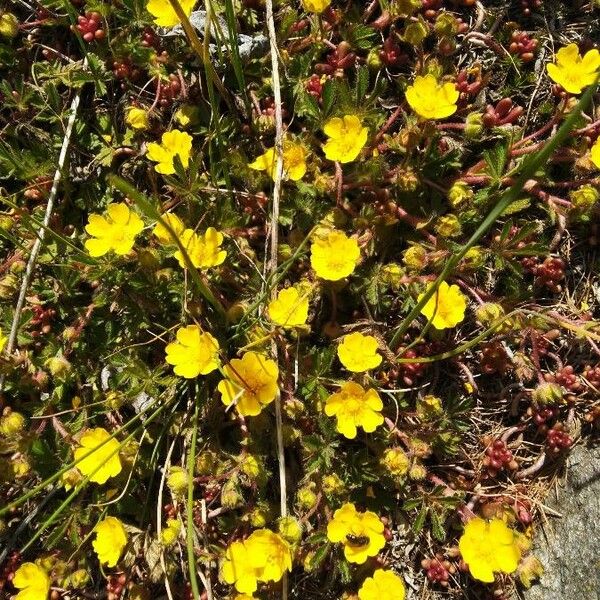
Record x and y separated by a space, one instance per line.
111 538
33 581
489 547
162 233
334 256
103 462
358 352
572 71
116 232
446 308
204 249
594 155
289 309
173 143
294 161
432 99
195 352
251 383
360 532
163 12
347 136
137 118
353 407
384 585
315 6
264 556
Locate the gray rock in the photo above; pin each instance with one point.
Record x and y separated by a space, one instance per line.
569 547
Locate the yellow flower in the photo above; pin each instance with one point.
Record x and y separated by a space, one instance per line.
488 547
289 309
251 383
33 581
361 533
161 232
239 568
104 462
169 535
594 156
346 136
3 340
195 352
163 12
571 71
334 256
384 585
264 556
353 406
315 6
271 554
294 162
137 118
204 249
358 352
432 99
111 538
173 143
446 308
115 232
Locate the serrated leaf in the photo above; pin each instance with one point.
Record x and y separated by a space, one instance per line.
437 527
420 520
517 206
495 159
362 83
328 96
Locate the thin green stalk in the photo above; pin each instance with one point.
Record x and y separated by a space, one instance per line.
190 505
152 213
528 170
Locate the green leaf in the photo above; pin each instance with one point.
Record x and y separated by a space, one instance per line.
437 528
495 160
420 520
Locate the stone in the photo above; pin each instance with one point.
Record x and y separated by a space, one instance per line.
569 547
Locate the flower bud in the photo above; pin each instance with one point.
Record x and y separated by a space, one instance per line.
11 423
489 312
8 286
169 534
392 274
415 257
20 466
460 194
473 259
584 199
529 570
177 480
58 366
137 118
71 478
290 529
252 467
333 485
417 472
429 407
547 393
419 447
446 24
259 517
448 226
306 497
231 496
396 462
207 463
236 311
9 25
406 179
374 60
79 579
474 125
416 31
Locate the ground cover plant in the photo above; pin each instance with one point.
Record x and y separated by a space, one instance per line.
297 298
